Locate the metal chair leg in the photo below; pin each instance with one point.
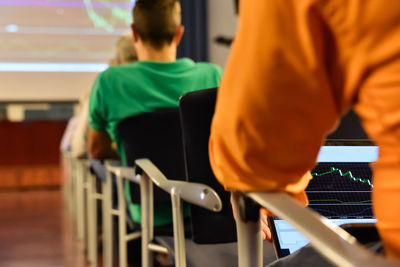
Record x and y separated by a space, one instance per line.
92 219
249 234
123 257
107 223
179 234
86 174
79 179
74 193
146 200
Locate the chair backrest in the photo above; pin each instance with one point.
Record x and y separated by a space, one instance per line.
158 137
197 110
349 128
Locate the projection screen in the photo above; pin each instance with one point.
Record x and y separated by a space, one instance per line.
52 50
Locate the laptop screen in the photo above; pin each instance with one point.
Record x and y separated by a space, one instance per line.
340 191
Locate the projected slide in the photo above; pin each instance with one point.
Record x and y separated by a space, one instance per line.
59 36
61 31
341 190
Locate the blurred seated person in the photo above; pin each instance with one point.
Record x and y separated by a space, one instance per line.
155 81
66 139
125 53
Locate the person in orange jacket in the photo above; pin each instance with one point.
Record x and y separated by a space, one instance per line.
295 67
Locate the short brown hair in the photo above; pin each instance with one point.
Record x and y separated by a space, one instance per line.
156 21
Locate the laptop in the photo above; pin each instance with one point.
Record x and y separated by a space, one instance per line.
340 191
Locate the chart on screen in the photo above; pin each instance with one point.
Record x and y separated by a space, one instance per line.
341 190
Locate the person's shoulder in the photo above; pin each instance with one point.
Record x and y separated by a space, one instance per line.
105 81
208 75
118 69
209 68
114 73
207 65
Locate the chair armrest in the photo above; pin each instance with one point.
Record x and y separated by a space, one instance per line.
194 193
128 173
330 240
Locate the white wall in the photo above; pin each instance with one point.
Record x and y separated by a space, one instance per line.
222 20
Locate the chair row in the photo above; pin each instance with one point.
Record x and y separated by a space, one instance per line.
163 169
81 197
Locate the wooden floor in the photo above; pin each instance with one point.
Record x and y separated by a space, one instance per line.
35 231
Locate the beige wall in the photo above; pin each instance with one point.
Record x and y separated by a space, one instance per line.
222 20
39 86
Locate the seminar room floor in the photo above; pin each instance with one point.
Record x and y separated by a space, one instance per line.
35 231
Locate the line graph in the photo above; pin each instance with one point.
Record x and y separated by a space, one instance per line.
330 213
341 202
344 174
341 190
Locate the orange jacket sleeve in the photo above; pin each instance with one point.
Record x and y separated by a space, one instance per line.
275 103
294 68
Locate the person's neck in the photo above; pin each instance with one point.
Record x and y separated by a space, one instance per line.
165 54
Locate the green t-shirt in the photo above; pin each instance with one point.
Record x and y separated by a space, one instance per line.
145 86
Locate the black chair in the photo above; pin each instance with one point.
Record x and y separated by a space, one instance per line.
158 137
197 110
153 149
349 128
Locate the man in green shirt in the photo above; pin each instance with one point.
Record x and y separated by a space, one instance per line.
155 81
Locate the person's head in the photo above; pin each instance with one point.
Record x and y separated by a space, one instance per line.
157 25
125 51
